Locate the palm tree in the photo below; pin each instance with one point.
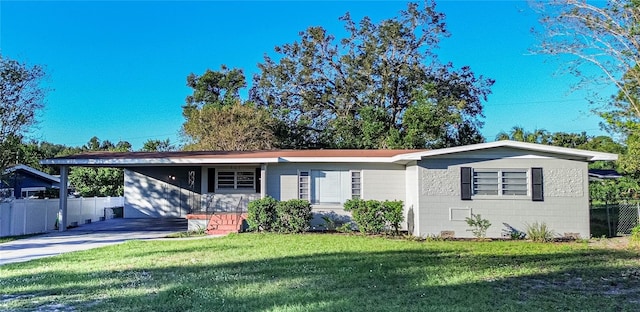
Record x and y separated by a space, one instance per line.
518 133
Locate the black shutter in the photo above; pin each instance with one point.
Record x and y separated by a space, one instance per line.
465 183
258 179
537 191
211 178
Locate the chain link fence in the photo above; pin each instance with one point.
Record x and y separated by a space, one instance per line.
614 219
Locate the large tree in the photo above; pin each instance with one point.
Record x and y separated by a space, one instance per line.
21 98
604 36
381 86
217 119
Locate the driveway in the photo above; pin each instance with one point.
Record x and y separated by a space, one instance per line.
88 236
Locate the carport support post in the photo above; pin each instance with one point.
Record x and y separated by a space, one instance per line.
62 212
263 180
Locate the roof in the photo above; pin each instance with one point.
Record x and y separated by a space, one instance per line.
33 171
603 174
125 159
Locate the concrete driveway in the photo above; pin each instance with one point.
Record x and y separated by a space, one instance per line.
88 236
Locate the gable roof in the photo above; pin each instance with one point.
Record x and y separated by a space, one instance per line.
571 153
126 159
33 171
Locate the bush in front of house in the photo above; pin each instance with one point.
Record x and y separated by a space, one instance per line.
540 232
269 215
393 214
293 216
373 216
261 214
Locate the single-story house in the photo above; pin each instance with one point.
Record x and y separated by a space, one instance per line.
508 183
22 181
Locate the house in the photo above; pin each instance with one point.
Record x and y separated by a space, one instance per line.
22 181
508 183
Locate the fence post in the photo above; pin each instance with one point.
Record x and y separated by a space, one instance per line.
608 219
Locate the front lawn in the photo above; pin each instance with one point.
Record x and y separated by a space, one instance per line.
320 272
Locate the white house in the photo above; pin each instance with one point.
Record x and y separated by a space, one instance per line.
509 183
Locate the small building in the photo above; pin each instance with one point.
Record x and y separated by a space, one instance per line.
508 183
22 181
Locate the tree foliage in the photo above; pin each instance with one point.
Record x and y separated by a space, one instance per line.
92 181
155 145
217 119
606 36
381 86
21 98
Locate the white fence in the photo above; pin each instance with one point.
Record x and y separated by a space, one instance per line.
28 216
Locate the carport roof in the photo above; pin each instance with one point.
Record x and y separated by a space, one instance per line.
225 157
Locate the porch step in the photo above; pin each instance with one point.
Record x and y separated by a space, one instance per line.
220 224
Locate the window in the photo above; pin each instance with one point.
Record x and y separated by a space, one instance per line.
356 185
235 180
496 182
31 192
328 186
303 185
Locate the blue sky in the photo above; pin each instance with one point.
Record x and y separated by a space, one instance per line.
118 68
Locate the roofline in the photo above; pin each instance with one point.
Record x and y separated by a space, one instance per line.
34 171
154 161
397 159
584 154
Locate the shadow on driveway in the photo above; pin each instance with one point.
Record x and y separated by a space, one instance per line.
88 236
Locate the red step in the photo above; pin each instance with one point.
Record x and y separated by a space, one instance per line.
220 224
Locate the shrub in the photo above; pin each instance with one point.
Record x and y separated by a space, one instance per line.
345 228
293 216
372 216
261 214
539 232
478 226
393 214
367 214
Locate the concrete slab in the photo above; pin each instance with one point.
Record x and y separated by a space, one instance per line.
88 236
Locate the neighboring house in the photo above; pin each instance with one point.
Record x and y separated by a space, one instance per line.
506 182
22 181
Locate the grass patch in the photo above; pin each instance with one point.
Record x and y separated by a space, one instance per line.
7 239
315 272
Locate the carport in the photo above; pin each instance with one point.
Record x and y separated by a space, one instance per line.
176 171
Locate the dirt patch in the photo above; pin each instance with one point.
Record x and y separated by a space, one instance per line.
616 243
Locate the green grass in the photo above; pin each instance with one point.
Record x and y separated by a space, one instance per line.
320 272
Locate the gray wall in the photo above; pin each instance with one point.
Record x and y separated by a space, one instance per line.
565 208
149 193
379 181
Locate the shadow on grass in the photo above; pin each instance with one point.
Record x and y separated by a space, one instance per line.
435 279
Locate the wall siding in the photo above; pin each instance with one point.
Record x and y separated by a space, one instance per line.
565 208
379 181
150 194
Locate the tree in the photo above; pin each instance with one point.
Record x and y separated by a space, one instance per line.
21 98
235 127
372 89
217 119
158 146
518 133
604 36
91 181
